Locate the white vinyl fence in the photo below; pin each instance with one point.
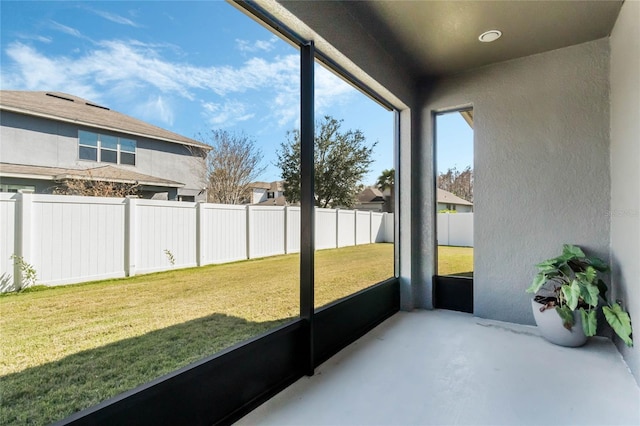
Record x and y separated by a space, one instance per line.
455 229
77 239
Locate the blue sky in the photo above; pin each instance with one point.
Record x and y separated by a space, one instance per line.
184 66
454 139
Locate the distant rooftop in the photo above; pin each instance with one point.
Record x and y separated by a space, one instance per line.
445 197
73 109
277 185
102 173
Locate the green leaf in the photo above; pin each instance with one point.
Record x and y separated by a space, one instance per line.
566 315
546 264
588 275
571 294
598 264
538 282
589 322
565 269
619 321
570 251
589 294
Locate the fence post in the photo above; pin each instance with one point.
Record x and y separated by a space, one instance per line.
200 228
355 227
286 229
23 236
248 230
130 237
337 228
370 226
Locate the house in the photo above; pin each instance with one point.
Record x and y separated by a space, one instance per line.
557 160
48 137
267 193
371 199
448 201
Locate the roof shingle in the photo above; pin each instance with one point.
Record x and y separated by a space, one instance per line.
73 109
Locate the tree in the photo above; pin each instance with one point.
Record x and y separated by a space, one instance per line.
232 164
341 159
386 180
458 183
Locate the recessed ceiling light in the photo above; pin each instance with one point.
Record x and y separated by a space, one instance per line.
489 36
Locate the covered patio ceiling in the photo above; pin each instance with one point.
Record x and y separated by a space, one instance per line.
436 38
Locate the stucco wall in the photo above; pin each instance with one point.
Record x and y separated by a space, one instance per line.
625 170
41 142
541 144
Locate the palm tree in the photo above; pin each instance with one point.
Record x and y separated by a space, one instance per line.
386 179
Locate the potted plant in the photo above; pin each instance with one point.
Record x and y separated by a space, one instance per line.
569 293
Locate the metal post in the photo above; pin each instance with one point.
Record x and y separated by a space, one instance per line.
307 216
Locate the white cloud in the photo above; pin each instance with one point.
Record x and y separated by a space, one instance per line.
226 114
32 71
114 18
39 38
65 29
156 108
257 46
330 89
264 89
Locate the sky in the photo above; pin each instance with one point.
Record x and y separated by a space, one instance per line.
188 67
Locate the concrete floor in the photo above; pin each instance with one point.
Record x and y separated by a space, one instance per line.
449 368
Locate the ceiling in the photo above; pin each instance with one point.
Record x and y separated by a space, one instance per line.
441 37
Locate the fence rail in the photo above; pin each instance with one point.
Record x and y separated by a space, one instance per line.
72 239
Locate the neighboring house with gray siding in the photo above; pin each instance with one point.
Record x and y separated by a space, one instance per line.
449 201
46 137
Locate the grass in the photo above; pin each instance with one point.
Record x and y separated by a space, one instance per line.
67 348
455 261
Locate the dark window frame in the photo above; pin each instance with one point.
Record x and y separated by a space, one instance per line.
276 359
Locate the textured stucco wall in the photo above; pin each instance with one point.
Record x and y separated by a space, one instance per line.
625 170
541 144
41 142
36 141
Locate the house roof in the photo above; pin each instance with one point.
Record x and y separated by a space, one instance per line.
73 109
102 173
369 195
277 185
445 197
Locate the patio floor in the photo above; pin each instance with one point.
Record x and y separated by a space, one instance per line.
450 368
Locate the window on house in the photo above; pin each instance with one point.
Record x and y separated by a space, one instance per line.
16 188
270 194
106 149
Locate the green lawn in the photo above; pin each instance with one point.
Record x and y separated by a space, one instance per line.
67 348
455 261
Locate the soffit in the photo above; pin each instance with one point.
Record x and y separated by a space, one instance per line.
435 38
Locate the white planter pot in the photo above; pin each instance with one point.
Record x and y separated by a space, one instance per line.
551 327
